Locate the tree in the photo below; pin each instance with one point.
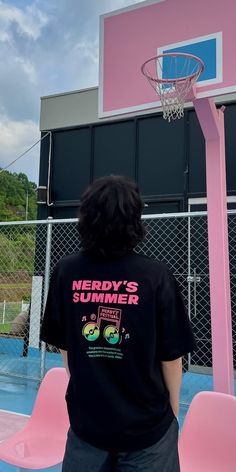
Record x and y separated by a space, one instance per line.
16 191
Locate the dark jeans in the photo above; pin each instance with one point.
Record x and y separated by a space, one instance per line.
161 457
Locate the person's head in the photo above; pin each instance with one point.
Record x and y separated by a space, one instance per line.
110 216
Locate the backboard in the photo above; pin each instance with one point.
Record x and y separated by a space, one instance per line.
130 36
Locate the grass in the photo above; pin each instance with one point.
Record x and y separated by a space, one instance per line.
16 285
12 309
14 292
5 328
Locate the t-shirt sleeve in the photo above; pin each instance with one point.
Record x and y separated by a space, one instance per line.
53 330
174 333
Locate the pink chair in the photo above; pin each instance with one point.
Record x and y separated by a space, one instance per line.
208 439
41 443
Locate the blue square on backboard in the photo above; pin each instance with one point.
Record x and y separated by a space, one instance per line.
204 49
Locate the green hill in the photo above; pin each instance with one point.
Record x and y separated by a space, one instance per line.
17 197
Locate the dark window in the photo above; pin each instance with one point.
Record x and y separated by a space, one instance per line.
70 173
230 138
153 208
161 158
114 149
197 162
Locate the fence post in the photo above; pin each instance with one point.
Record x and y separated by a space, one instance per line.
46 286
4 311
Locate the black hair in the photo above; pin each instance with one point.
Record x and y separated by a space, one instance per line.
110 216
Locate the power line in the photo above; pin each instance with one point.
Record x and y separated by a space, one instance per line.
25 152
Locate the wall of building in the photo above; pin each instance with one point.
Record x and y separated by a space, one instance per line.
69 109
166 159
80 107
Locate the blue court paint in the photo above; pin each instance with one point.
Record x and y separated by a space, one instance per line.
10 468
206 50
10 345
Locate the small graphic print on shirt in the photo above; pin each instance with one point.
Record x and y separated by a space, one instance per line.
106 325
92 331
112 316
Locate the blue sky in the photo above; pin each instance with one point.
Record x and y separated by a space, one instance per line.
46 47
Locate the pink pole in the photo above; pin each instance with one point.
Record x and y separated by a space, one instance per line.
212 124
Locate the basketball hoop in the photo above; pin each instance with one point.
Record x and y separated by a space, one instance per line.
173 76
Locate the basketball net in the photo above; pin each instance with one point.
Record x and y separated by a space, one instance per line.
173 77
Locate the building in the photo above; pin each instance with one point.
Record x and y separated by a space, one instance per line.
166 159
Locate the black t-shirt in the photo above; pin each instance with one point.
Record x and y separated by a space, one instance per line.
118 319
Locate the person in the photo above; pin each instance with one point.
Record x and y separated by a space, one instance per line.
120 323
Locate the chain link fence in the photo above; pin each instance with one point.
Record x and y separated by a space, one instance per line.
29 252
232 259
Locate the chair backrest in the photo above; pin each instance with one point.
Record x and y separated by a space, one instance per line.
50 410
209 432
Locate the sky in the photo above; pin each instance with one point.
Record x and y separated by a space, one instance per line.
46 47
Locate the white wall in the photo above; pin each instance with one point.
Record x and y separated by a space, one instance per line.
81 107
69 109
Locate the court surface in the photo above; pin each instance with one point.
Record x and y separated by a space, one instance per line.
17 396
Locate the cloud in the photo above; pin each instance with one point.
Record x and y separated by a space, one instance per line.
20 30
28 22
88 50
125 3
15 138
28 68
46 47
19 95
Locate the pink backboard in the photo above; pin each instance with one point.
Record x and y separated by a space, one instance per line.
130 36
